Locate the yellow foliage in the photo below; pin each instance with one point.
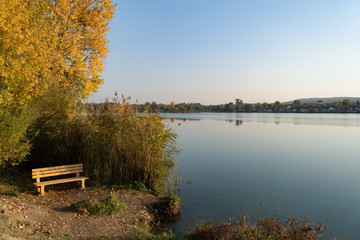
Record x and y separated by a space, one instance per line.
47 43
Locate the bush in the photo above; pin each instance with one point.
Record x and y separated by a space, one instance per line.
14 144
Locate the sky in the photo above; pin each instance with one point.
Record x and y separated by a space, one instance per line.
214 51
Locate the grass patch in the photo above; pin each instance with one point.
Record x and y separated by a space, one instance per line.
93 206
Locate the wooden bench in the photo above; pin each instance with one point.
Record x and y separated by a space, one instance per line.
76 169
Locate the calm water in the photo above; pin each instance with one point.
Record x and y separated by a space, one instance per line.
296 164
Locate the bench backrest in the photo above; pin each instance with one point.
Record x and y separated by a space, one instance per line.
56 171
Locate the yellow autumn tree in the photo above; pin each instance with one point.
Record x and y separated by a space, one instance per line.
47 43
46 46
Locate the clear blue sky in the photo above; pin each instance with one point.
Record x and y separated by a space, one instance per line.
213 51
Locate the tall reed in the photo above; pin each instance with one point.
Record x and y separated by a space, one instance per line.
116 145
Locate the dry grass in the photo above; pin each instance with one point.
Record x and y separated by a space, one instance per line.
267 228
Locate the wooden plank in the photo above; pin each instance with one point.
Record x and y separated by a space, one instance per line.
42 175
60 172
54 174
59 167
57 181
57 170
42 190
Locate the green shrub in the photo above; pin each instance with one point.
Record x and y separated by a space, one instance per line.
93 206
14 143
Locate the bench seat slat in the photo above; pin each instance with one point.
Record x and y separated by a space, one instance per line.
59 167
57 181
57 170
56 173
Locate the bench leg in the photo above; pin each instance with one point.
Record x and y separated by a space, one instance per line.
82 183
42 190
38 189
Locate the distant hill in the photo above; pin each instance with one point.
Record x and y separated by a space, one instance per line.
326 100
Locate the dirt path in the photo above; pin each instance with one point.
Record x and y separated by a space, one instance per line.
31 216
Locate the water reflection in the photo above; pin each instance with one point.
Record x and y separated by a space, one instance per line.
277 118
300 164
183 119
237 122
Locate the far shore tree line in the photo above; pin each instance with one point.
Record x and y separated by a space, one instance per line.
344 106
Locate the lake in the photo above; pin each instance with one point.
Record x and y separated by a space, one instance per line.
295 164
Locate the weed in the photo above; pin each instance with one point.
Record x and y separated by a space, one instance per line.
112 204
11 191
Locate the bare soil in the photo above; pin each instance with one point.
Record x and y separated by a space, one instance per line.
31 216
